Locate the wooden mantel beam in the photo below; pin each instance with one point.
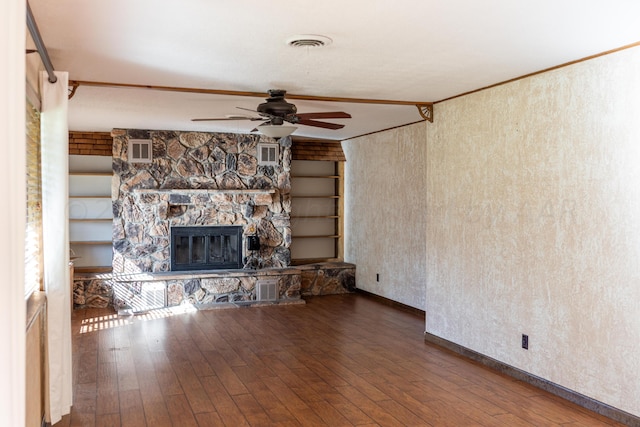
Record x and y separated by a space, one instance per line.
74 84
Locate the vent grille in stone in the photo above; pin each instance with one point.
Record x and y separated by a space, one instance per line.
267 290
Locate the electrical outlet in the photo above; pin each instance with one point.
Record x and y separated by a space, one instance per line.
525 341
377 277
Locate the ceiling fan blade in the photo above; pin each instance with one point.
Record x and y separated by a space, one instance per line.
318 124
276 120
228 118
247 109
327 115
257 112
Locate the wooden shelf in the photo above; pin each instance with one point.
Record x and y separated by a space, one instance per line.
316 216
91 242
93 269
334 236
90 173
89 197
316 176
315 197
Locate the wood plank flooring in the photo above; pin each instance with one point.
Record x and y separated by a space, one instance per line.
343 360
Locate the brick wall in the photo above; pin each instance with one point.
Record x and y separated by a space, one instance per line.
316 149
100 144
90 143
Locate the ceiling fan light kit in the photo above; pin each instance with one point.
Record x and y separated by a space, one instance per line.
276 131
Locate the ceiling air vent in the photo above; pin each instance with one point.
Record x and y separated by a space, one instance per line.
308 40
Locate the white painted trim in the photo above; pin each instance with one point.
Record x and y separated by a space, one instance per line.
12 217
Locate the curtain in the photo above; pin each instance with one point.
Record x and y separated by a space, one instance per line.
55 242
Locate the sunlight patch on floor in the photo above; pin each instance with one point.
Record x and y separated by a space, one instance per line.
125 317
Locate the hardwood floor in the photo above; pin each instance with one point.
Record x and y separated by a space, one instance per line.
343 360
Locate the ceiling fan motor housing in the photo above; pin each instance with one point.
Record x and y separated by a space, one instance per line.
276 105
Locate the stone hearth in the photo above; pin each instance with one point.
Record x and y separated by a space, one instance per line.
204 288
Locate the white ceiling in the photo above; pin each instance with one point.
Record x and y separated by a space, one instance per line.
409 50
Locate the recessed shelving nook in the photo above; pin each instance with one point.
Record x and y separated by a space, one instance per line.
90 213
316 214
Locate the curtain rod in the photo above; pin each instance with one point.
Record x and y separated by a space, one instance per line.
42 50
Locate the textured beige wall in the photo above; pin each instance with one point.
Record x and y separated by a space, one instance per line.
385 222
533 207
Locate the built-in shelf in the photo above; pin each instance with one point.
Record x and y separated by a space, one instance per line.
90 213
316 209
91 242
316 176
315 197
334 236
90 173
316 216
93 269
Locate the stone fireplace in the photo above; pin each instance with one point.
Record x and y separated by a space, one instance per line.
198 180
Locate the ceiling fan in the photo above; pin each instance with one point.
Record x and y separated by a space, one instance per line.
275 111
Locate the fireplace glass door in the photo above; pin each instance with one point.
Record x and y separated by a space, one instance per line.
206 248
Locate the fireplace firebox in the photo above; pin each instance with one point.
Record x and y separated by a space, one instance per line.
206 248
